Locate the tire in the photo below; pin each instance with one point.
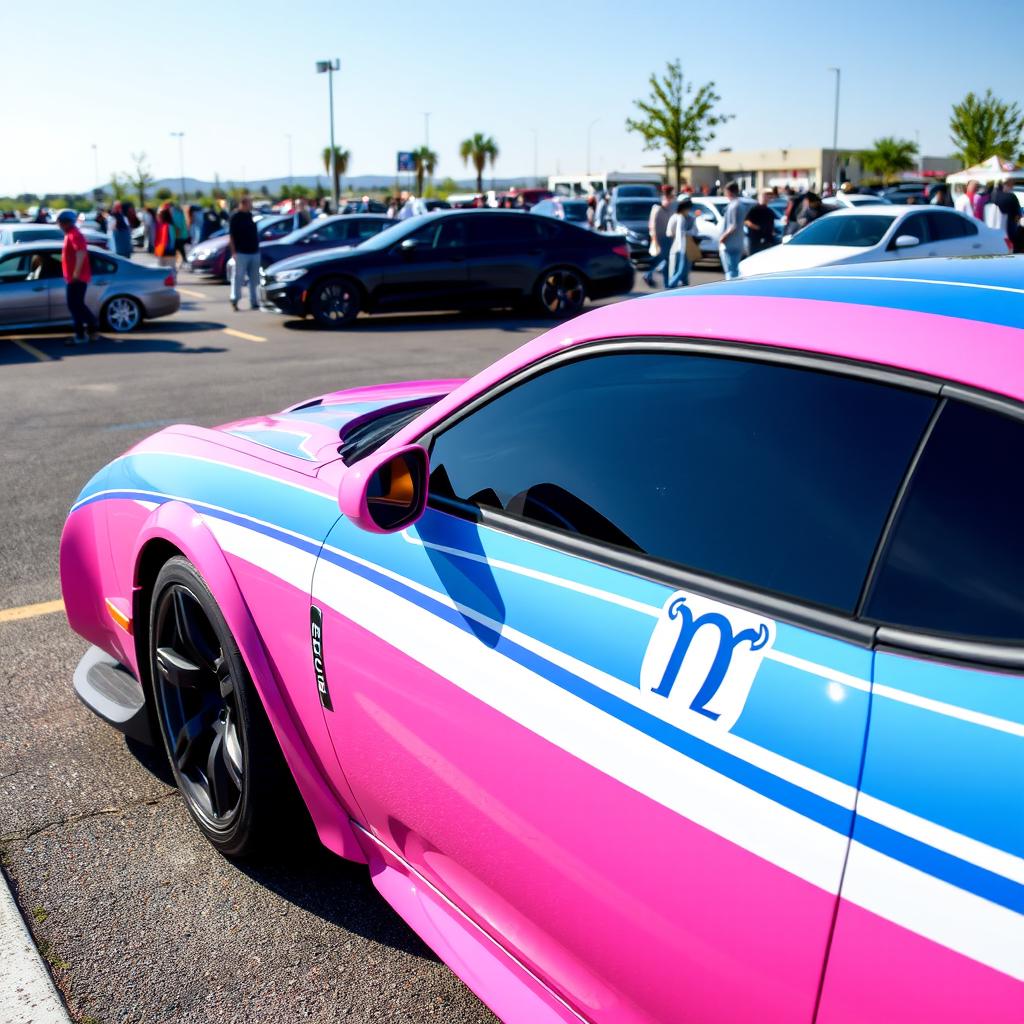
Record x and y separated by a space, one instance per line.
122 314
560 292
334 302
219 742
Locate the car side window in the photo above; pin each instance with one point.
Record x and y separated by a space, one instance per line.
14 268
946 226
278 229
916 225
766 474
501 230
955 560
329 232
101 265
367 229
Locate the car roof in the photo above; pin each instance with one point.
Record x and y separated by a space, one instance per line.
957 319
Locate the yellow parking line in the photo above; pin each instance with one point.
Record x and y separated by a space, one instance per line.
30 611
242 335
31 350
191 294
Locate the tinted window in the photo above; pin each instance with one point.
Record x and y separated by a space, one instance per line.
917 225
332 232
278 229
101 265
14 268
366 228
944 226
766 474
484 230
442 233
955 563
858 231
634 209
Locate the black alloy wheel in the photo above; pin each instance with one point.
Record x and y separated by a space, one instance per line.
220 745
561 293
334 302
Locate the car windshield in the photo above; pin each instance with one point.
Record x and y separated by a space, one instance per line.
634 209
860 232
575 210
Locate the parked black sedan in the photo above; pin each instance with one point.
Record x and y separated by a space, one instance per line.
629 216
455 259
342 229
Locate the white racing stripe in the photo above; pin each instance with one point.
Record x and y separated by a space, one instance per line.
928 906
790 840
911 280
283 560
939 911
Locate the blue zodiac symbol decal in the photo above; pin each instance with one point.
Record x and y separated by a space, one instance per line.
704 656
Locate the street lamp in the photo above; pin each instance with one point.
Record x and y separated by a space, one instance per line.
330 66
835 128
589 126
426 128
181 160
96 166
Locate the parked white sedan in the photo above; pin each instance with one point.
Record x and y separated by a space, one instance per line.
869 233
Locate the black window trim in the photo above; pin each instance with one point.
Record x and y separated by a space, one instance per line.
874 635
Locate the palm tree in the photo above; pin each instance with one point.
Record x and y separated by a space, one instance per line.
889 155
342 157
479 149
425 160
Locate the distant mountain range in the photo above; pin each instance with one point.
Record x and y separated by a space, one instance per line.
355 183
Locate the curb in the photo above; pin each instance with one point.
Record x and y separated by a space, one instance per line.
27 992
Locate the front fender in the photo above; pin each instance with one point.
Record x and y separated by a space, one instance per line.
177 524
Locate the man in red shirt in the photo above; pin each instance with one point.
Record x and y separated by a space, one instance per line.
77 275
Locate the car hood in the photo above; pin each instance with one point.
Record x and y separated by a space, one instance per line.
309 259
798 257
313 430
212 245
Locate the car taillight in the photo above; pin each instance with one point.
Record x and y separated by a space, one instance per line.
169 280
621 250
1009 246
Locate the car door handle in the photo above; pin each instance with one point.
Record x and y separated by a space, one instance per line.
39 288
976 245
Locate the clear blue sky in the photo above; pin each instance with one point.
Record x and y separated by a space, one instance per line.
235 77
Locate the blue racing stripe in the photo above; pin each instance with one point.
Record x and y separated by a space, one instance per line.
954 870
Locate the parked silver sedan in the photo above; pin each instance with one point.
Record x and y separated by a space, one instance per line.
19 234
121 294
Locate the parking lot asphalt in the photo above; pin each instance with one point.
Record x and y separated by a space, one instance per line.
138 918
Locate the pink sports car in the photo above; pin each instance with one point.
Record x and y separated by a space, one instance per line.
670 669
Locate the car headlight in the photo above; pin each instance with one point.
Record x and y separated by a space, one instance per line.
287 276
201 254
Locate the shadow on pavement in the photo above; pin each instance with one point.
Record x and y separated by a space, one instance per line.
475 320
178 327
55 349
310 877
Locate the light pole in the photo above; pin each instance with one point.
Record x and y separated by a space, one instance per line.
835 128
330 66
426 129
534 130
589 127
287 135
181 160
96 166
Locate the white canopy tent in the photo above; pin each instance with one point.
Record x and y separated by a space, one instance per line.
992 169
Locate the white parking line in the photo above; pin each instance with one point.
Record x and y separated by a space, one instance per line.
27 992
191 294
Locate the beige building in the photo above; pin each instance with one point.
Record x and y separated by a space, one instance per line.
805 168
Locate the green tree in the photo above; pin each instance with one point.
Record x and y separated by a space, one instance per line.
118 186
426 161
163 194
984 126
140 177
889 156
445 187
670 120
479 149
342 157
